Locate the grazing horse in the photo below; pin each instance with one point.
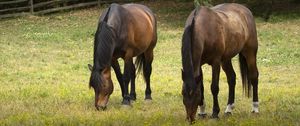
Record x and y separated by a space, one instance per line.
214 36
124 31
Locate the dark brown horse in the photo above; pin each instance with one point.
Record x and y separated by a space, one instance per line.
214 36
124 31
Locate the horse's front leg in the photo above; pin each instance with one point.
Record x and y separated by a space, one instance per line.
126 77
215 89
116 67
199 80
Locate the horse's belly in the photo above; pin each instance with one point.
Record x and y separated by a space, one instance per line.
229 55
234 43
232 51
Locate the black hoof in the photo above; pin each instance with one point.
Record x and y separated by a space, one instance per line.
148 97
202 115
126 102
133 97
214 116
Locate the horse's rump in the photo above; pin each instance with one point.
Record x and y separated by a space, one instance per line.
222 30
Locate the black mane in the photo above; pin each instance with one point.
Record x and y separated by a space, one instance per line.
186 53
103 50
103 46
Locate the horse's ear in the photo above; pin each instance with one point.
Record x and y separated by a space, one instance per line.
90 67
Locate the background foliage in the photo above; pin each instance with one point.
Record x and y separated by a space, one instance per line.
263 8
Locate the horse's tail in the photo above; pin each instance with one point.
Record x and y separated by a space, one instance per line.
244 73
140 62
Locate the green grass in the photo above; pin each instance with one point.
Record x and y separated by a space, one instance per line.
44 74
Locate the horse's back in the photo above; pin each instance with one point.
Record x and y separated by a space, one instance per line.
235 14
239 28
142 27
142 19
237 19
221 32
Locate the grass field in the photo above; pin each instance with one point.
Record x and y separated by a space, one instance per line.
44 74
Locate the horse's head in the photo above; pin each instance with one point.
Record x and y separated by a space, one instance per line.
191 96
101 82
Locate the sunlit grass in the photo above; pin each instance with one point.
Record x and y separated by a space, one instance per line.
44 74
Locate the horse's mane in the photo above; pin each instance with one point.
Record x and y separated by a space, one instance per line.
186 53
103 50
104 41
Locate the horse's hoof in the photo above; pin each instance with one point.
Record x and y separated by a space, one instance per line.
132 97
202 115
126 102
214 116
148 97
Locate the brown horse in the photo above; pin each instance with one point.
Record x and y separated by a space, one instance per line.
214 36
124 31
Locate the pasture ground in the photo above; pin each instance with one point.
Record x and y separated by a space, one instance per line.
44 74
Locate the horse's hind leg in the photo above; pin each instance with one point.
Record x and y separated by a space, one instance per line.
231 80
132 81
147 69
253 77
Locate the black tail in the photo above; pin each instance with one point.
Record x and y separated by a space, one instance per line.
244 73
140 63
